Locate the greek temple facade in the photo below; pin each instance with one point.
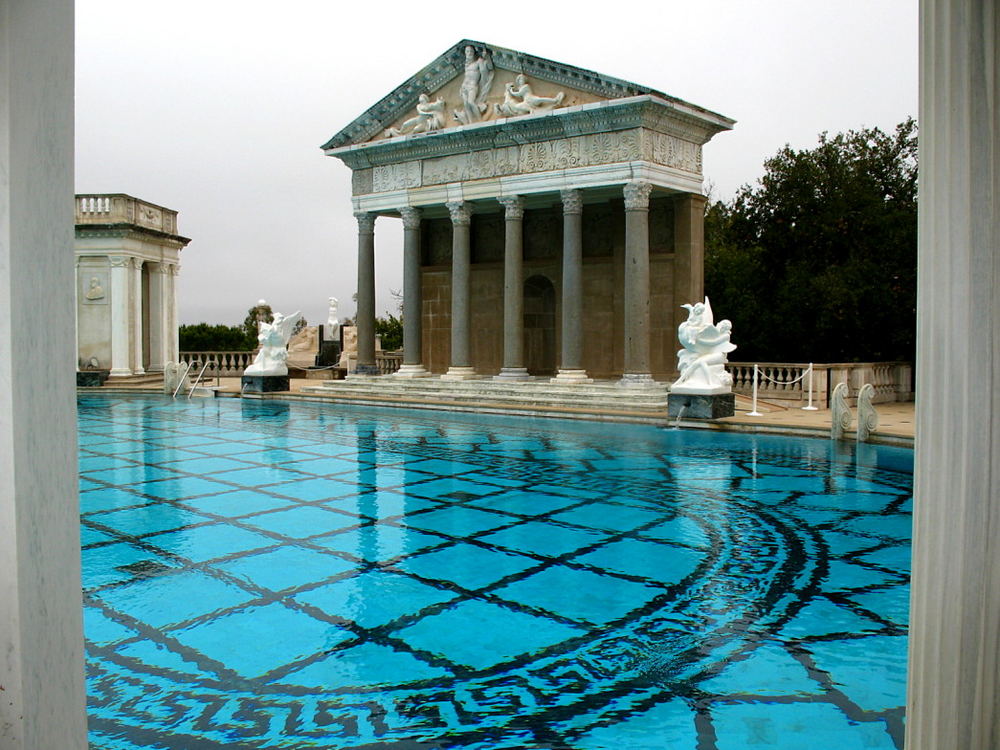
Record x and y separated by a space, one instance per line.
553 218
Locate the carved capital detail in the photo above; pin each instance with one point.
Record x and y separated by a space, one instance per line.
366 223
119 261
513 207
461 213
411 217
572 201
637 196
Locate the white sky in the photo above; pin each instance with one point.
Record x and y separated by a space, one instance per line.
217 108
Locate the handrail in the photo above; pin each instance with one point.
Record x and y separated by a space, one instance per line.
198 379
180 378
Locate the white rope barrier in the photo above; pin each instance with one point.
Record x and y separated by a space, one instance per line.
757 374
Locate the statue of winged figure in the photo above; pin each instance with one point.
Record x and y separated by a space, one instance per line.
702 361
272 358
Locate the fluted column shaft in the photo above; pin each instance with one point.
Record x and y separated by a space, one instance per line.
953 696
136 354
461 359
689 254
513 290
571 326
637 369
412 296
366 295
120 267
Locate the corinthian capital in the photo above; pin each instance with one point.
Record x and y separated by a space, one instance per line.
637 196
513 206
461 213
366 223
411 217
572 201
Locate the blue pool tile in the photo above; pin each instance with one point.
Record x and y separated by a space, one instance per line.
378 541
680 530
102 630
843 575
543 539
658 562
442 467
892 604
207 465
158 656
227 639
147 519
286 567
258 476
108 564
870 670
607 517
457 522
311 489
237 503
896 557
665 725
794 726
525 503
163 456
767 671
823 617
579 594
323 466
209 542
173 598
131 474
220 449
180 488
108 499
373 598
93 536
302 522
98 463
891 528
467 565
498 634
382 504
365 666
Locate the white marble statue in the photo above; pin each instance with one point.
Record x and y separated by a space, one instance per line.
518 99
702 361
475 86
430 116
331 331
272 358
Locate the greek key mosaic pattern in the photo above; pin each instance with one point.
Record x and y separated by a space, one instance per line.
260 574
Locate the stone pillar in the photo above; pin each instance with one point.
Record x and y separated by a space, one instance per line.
571 359
513 291
135 311
158 317
366 295
120 355
41 634
412 366
173 330
461 219
637 370
953 696
689 254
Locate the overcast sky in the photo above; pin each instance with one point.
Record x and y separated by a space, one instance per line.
217 108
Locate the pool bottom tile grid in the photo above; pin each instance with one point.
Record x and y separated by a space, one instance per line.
260 574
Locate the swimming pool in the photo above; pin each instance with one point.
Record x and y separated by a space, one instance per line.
261 574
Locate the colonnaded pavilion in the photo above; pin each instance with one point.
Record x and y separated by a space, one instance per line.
553 217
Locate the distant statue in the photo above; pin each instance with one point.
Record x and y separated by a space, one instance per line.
430 116
702 361
272 358
332 330
96 291
519 99
475 86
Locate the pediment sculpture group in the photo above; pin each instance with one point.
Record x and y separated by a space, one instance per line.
519 99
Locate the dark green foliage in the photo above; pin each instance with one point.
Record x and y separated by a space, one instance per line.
203 337
817 262
390 329
256 314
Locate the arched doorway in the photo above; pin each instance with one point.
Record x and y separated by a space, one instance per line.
540 326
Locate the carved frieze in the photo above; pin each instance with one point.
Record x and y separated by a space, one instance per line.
396 176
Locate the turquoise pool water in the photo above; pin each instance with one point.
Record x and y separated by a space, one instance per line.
273 575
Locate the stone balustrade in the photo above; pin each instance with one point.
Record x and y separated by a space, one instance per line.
892 381
118 208
220 364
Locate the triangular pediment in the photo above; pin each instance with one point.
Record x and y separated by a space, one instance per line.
475 82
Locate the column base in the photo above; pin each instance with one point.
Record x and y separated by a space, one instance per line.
571 377
513 373
636 380
120 372
411 371
460 373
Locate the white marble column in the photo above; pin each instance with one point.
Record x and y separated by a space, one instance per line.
571 326
953 697
135 289
513 291
366 296
461 360
173 330
120 321
413 343
689 254
42 703
158 317
637 372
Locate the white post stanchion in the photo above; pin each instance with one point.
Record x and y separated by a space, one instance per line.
754 413
810 407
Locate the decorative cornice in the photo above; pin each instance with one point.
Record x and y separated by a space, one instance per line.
513 207
119 261
572 201
461 213
411 217
366 223
637 196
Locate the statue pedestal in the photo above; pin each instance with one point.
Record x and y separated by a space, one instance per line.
91 378
329 354
701 406
265 383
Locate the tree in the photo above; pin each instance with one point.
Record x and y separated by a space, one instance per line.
255 315
203 337
818 260
390 328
